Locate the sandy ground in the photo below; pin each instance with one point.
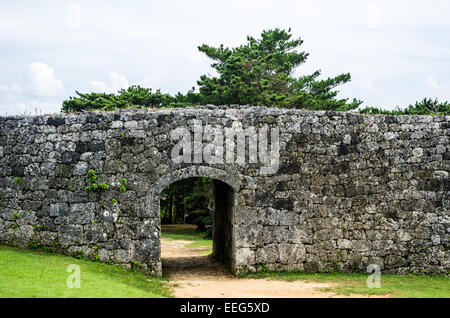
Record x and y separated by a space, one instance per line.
193 275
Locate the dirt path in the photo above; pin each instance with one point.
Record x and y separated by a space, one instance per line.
193 274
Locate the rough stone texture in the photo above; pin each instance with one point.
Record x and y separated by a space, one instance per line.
351 190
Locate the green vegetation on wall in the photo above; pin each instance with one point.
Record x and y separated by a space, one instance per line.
425 107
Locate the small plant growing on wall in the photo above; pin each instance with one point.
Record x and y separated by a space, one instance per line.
261 268
92 178
123 185
18 180
103 187
79 254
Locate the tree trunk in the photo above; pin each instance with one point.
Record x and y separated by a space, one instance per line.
185 208
172 209
166 207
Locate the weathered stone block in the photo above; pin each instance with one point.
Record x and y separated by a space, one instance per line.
82 213
344 244
81 169
248 235
292 253
244 256
267 254
58 209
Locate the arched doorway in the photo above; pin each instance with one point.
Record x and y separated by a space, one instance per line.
224 194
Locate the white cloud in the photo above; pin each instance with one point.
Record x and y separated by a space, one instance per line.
73 19
42 80
438 88
49 107
12 109
39 94
117 82
151 81
33 107
11 88
99 86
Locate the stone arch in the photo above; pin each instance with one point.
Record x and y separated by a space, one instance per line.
232 180
222 244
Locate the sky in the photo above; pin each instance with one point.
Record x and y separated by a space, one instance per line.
397 52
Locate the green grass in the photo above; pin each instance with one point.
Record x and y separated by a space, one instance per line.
187 234
32 273
417 286
182 233
200 243
26 273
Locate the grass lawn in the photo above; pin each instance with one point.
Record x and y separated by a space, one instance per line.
186 232
32 273
416 286
26 273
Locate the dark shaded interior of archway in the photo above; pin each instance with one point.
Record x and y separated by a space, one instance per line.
222 222
203 206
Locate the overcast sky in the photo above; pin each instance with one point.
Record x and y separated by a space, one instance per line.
396 51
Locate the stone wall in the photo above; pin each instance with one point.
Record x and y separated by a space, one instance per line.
351 190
